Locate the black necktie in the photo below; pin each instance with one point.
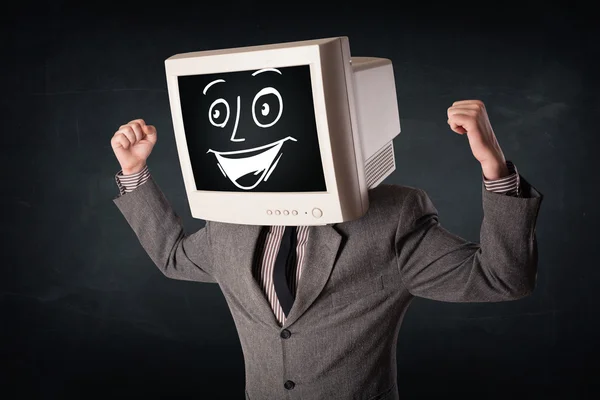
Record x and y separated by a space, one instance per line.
284 263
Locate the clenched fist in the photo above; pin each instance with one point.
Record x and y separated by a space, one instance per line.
470 117
132 145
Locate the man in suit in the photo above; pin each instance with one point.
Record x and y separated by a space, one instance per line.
350 284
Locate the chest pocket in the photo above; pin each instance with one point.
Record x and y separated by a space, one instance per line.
364 289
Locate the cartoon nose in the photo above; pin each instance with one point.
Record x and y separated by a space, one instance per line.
237 120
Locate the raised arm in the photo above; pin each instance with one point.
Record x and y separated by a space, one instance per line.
149 213
437 264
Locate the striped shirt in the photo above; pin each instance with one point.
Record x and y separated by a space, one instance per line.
269 246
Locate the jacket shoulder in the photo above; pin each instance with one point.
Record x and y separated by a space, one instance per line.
385 194
393 200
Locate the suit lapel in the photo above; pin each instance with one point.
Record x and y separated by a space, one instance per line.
321 251
248 240
320 254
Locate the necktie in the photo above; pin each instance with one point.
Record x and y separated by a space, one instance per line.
284 262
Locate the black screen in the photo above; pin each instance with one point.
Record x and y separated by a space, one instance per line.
252 130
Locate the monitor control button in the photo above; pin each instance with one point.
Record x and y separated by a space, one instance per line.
277 212
269 212
294 212
286 212
317 213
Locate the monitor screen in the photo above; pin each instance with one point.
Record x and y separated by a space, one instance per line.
252 130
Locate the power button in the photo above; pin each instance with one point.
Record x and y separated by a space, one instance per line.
317 213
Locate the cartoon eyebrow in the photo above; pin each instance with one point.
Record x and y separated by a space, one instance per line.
212 83
260 71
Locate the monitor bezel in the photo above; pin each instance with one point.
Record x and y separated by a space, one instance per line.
344 197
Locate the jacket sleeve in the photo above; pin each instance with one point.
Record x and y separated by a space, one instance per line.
160 232
439 265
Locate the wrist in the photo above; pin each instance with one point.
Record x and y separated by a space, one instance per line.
494 170
133 170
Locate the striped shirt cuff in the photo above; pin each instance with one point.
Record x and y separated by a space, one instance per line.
128 183
509 185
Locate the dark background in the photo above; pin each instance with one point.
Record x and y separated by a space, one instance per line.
85 313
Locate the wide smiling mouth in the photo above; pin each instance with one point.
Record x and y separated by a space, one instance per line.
252 151
247 168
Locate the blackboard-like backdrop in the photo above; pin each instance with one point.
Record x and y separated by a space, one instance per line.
85 313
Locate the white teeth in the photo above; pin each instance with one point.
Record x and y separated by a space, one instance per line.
262 163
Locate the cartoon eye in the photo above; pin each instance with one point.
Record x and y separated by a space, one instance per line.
218 113
270 107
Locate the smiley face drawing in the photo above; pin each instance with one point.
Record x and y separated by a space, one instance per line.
259 161
255 128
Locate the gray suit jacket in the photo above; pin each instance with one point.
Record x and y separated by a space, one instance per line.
357 283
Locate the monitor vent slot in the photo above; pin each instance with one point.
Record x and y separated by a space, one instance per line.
380 165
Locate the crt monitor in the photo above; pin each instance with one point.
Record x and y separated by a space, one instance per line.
272 135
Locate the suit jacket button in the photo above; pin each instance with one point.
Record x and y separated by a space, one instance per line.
289 385
285 334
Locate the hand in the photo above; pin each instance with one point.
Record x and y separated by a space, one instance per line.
470 117
132 144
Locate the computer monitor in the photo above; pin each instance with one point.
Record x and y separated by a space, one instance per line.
282 134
